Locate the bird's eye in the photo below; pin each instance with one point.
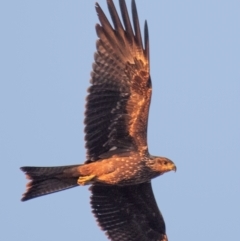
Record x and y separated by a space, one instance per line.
165 163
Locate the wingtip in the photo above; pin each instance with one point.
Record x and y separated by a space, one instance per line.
136 24
97 6
146 26
146 41
133 4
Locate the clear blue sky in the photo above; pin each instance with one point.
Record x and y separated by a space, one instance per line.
46 54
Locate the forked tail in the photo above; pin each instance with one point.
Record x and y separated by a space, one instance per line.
46 180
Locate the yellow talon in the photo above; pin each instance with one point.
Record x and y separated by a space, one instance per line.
85 180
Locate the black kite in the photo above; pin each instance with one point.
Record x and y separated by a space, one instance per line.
119 166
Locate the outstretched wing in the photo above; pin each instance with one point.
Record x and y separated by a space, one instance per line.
128 213
120 92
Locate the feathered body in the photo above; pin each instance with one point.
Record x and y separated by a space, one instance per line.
118 165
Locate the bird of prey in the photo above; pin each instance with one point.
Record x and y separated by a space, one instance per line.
118 166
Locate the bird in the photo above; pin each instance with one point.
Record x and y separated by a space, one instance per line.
118 166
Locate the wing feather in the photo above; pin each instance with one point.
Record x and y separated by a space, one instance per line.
146 42
120 92
136 25
126 21
128 213
115 18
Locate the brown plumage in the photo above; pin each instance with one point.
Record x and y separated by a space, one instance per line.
118 165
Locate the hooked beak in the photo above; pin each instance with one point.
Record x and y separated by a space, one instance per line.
174 168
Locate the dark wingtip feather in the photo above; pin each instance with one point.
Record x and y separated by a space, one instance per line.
125 17
136 24
146 41
103 19
115 18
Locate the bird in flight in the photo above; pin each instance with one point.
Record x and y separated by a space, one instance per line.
118 166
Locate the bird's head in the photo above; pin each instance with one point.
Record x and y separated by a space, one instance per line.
162 165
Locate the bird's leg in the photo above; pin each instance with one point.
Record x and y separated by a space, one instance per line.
85 180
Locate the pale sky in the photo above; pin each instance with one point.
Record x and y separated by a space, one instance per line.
46 54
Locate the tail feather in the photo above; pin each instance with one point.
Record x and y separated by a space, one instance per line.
46 180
